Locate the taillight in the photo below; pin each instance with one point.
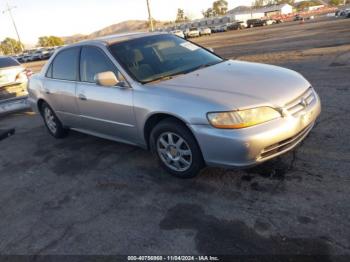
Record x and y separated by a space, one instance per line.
28 73
23 76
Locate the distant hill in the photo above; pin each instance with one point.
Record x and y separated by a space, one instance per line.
123 27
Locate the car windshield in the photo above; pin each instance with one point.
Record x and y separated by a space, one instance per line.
157 57
8 62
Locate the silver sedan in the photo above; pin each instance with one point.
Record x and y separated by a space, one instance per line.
189 106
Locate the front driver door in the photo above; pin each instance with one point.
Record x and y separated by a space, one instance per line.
104 110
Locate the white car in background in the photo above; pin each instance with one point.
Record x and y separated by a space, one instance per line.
193 32
270 22
13 79
205 31
178 33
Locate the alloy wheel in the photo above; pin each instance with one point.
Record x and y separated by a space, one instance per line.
50 120
174 151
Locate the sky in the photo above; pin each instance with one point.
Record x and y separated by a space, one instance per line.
35 18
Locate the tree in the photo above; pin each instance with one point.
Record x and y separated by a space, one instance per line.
210 12
49 41
259 3
304 4
10 46
180 16
280 2
336 2
220 7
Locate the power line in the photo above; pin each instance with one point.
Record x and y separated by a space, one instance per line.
150 19
9 10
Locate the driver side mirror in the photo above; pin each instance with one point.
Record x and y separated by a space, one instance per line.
107 79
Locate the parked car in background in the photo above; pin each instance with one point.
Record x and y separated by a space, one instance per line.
235 26
13 79
45 54
193 32
190 107
298 18
212 28
205 31
270 21
243 24
342 12
27 57
224 28
279 21
178 33
256 22
219 29
37 55
19 58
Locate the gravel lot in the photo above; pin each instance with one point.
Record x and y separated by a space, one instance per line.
85 195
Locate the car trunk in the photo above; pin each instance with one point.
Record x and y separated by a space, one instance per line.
10 85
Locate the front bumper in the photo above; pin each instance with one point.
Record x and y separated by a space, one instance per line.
253 145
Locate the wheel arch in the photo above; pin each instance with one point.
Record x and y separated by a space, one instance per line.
156 118
40 103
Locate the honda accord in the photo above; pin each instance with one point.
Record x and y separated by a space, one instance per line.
186 104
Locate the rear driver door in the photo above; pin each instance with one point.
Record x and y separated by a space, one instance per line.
60 86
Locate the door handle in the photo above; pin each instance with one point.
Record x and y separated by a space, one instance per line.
82 97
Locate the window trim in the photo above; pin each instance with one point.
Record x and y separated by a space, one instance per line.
77 66
49 71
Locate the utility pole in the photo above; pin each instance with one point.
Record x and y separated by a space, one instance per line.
9 10
150 16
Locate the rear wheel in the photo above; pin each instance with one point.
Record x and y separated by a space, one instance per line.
52 123
176 149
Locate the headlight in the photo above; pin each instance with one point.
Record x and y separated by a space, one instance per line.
242 119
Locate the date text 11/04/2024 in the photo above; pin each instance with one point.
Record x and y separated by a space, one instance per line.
173 258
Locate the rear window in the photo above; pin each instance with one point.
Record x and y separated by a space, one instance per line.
8 62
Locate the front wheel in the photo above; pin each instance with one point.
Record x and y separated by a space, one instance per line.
52 123
176 149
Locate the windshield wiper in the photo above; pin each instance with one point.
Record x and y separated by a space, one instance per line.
201 66
163 78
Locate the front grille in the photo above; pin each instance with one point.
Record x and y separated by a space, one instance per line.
285 144
301 103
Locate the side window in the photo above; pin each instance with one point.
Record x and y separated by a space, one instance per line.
65 65
49 72
94 61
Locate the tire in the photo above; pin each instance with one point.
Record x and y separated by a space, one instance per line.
179 155
52 123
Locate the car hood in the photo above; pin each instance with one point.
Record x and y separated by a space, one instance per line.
236 84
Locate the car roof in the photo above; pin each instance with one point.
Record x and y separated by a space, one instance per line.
113 39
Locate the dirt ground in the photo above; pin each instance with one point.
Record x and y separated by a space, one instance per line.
85 195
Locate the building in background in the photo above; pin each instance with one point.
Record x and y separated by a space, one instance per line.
240 13
313 8
265 11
